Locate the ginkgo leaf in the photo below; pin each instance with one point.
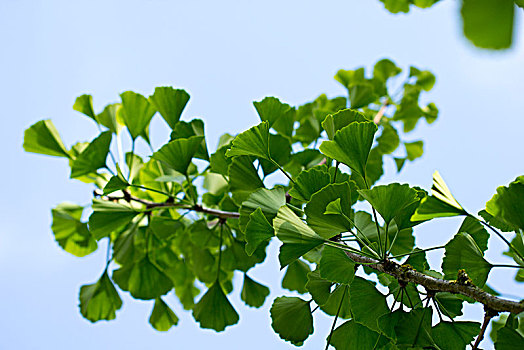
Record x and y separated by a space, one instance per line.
43 138
334 122
509 339
269 201
93 157
243 178
409 329
84 105
335 266
298 238
253 293
253 142
351 145
258 231
70 233
195 127
170 103
441 203
270 109
463 253
178 153
367 303
99 301
476 231
136 112
295 278
108 217
162 317
385 69
454 335
292 319
214 311
414 150
115 184
111 118
353 335
308 182
325 224
390 200
507 204
143 279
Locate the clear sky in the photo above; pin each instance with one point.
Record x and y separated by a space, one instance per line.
226 54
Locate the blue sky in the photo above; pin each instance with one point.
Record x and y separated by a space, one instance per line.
225 54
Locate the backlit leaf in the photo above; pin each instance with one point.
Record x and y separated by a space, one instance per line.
170 103
292 319
43 138
214 311
253 142
179 153
93 157
253 293
70 233
162 317
99 301
136 112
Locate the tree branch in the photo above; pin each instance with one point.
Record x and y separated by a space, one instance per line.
439 285
489 314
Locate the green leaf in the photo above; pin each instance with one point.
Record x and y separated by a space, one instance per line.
308 182
361 94
425 79
414 150
389 140
476 231
298 238
43 138
329 225
440 204
253 293
292 319
162 317
99 301
108 217
214 311
335 266
269 201
93 157
335 122
508 204
136 113
450 304
367 303
409 329
488 24
390 200
143 280
396 6
258 231
318 287
170 103
352 335
243 177
509 339
84 105
295 278
338 302
253 142
178 153
115 184
195 127
279 151
111 117
270 109
70 233
463 253
385 69
351 145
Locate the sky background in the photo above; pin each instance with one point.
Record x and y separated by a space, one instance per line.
225 54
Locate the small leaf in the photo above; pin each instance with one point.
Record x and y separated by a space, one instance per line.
253 293
143 280
351 145
111 118
298 238
84 105
270 109
258 231
269 201
43 138
463 253
170 103
308 182
195 127
243 177
71 234
108 217
93 157
335 266
389 140
335 122
253 142
476 231
507 204
214 311
425 79
162 317
115 184
488 24
178 153
440 204
385 69
136 112
414 150
295 278
99 301
390 200
292 319
318 287
450 304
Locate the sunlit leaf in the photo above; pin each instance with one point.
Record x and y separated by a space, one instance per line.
508 204
308 182
390 200
99 301
84 105
179 153
93 157
70 233
43 138
162 317
136 112
170 103
214 311
253 142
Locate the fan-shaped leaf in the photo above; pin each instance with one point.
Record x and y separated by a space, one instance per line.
70 233
170 103
136 112
214 310
292 319
269 201
295 278
253 142
84 105
335 122
335 266
99 301
508 204
162 317
93 157
43 138
390 200
253 293
179 153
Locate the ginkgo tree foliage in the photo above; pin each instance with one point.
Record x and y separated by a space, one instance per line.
488 24
189 217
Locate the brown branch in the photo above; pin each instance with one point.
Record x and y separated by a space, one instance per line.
381 112
489 314
439 285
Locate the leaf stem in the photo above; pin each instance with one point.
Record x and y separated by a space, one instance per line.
336 170
219 252
336 318
418 251
131 162
282 170
513 266
501 237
